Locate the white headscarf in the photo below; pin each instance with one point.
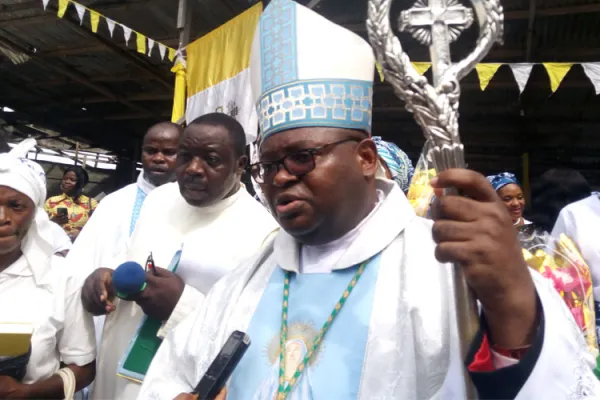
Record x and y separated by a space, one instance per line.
28 177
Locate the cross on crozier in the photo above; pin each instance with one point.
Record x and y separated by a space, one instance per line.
437 23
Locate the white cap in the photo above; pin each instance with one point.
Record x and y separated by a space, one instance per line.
307 71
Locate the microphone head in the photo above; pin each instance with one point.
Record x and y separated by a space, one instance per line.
128 279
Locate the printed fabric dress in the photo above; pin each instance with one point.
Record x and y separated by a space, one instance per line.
78 210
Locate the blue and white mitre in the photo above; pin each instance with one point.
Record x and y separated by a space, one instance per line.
307 71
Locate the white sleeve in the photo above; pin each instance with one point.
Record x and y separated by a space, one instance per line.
83 254
564 359
76 341
62 242
173 369
190 300
563 225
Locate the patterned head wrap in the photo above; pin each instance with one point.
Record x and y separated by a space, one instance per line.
397 162
502 179
28 177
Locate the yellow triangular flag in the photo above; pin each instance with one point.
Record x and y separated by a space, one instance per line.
94 20
140 41
557 72
380 71
486 72
62 7
421 67
172 53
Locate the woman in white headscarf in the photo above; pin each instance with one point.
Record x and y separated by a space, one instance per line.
38 290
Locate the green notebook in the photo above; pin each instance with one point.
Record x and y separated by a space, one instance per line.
145 343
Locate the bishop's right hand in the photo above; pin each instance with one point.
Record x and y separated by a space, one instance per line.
98 293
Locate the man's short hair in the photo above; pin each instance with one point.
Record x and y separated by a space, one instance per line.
166 125
234 128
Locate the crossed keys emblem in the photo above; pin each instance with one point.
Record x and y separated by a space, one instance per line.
437 23
434 23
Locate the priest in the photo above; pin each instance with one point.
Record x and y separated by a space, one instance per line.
193 231
105 235
353 299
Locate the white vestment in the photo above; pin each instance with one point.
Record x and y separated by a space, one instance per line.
215 240
412 350
62 241
104 237
581 222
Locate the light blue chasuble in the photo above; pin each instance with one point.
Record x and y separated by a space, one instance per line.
335 372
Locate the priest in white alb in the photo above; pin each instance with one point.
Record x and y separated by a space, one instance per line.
353 299
195 230
106 234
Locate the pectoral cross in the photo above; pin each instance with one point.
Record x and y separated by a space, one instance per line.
437 23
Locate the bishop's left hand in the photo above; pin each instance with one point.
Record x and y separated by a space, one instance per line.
162 292
477 233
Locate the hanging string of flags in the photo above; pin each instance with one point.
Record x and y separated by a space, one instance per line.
522 71
144 44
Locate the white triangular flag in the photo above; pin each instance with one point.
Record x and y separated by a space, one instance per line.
111 26
80 12
45 4
163 50
150 46
592 70
126 33
521 73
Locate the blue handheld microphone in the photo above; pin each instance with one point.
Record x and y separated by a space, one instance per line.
129 279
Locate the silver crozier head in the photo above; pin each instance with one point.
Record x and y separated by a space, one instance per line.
436 24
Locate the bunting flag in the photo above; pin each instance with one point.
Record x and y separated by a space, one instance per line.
62 7
94 21
126 33
421 67
557 72
592 70
96 17
80 12
111 26
486 72
162 50
140 43
521 72
379 71
150 46
218 75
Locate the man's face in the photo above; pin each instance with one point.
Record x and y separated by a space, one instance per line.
208 168
323 204
159 154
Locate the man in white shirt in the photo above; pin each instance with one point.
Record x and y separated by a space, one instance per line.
203 226
353 299
106 233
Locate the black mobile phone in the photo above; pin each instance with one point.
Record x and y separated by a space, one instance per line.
62 211
222 367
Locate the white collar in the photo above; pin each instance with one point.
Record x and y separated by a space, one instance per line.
143 184
385 223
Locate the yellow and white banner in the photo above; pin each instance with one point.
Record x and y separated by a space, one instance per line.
218 76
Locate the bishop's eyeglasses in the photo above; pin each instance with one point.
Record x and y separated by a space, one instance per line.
298 163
